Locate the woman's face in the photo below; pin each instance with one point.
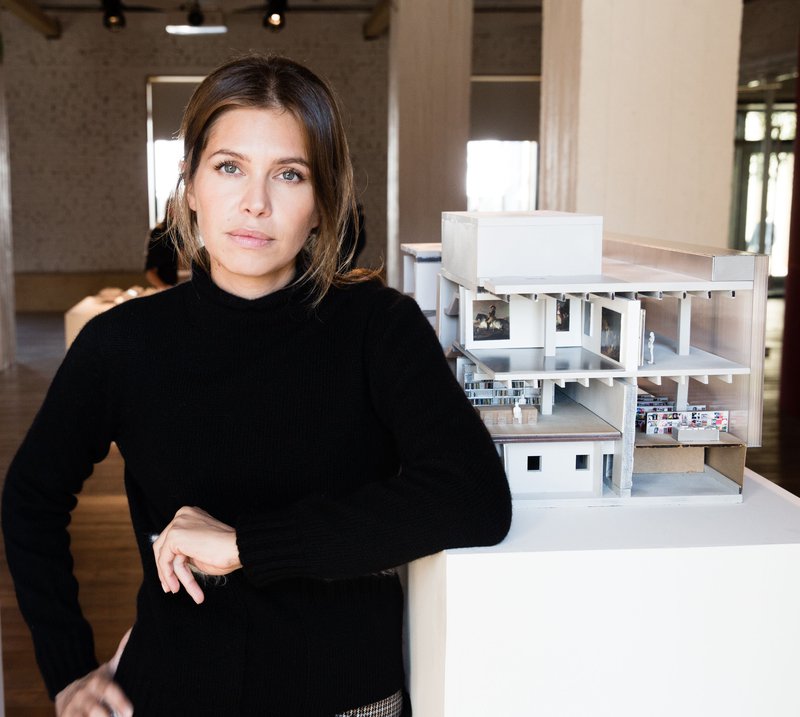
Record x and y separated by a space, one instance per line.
254 200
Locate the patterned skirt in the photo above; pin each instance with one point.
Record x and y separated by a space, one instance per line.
390 707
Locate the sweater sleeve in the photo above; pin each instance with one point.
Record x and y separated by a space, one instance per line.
69 434
451 490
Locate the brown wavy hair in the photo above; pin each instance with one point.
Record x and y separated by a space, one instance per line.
277 83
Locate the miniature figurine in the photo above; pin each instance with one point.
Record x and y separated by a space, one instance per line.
651 342
517 413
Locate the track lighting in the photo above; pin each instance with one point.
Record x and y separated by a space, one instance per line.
113 18
275 15
196 22
195 18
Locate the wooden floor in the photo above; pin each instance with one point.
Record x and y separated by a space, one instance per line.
107 565
106 561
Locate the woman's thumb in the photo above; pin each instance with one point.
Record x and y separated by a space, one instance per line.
120 649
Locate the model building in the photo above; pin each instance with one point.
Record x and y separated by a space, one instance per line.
540 310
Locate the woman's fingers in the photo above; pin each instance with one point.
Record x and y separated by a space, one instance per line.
173 570
195 538
115 698
96 694
165 557
184 574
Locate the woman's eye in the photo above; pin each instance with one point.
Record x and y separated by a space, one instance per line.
227 168
290 175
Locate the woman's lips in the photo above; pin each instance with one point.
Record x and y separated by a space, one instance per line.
249 238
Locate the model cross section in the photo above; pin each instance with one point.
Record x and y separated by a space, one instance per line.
575 346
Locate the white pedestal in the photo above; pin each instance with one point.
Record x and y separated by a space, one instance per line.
421 264
626 611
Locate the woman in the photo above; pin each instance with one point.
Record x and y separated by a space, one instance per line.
313 440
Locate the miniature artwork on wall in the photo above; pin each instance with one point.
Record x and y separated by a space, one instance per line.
669 423
562 315
491 321
610 334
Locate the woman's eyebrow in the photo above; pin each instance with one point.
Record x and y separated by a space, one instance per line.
229 153
293 160
245 158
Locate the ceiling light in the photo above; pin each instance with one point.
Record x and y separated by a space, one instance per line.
196 22
275 15
113 18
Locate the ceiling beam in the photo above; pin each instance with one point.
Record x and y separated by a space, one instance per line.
377 24
30 13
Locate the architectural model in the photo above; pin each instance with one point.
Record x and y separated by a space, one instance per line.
643 360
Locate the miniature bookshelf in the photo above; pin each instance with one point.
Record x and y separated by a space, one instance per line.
543 302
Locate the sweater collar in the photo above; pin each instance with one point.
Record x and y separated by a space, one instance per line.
209 293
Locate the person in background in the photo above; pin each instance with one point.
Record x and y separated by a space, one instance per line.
269 525
161 260
354 239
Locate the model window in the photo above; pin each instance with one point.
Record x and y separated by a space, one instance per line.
534 463
582 462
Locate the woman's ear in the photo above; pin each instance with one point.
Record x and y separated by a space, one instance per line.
188 188
190 199
314 222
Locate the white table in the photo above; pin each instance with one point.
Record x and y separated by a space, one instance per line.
623 611
78 316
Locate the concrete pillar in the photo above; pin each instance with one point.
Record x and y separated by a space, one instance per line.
7 328
638 114
790 378
430 57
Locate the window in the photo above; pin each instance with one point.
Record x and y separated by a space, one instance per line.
501 176
534 463
166 99
582 462
502 154
760 218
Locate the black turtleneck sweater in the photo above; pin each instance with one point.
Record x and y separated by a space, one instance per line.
335 441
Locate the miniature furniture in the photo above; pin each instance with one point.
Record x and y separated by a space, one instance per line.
542 306
654 610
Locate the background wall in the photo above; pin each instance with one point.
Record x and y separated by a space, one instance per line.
77 124
77 115
506 44
769 40
77 127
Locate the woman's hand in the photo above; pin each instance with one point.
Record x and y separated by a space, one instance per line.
96 694
195 539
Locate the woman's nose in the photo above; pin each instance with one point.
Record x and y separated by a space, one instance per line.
256 200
